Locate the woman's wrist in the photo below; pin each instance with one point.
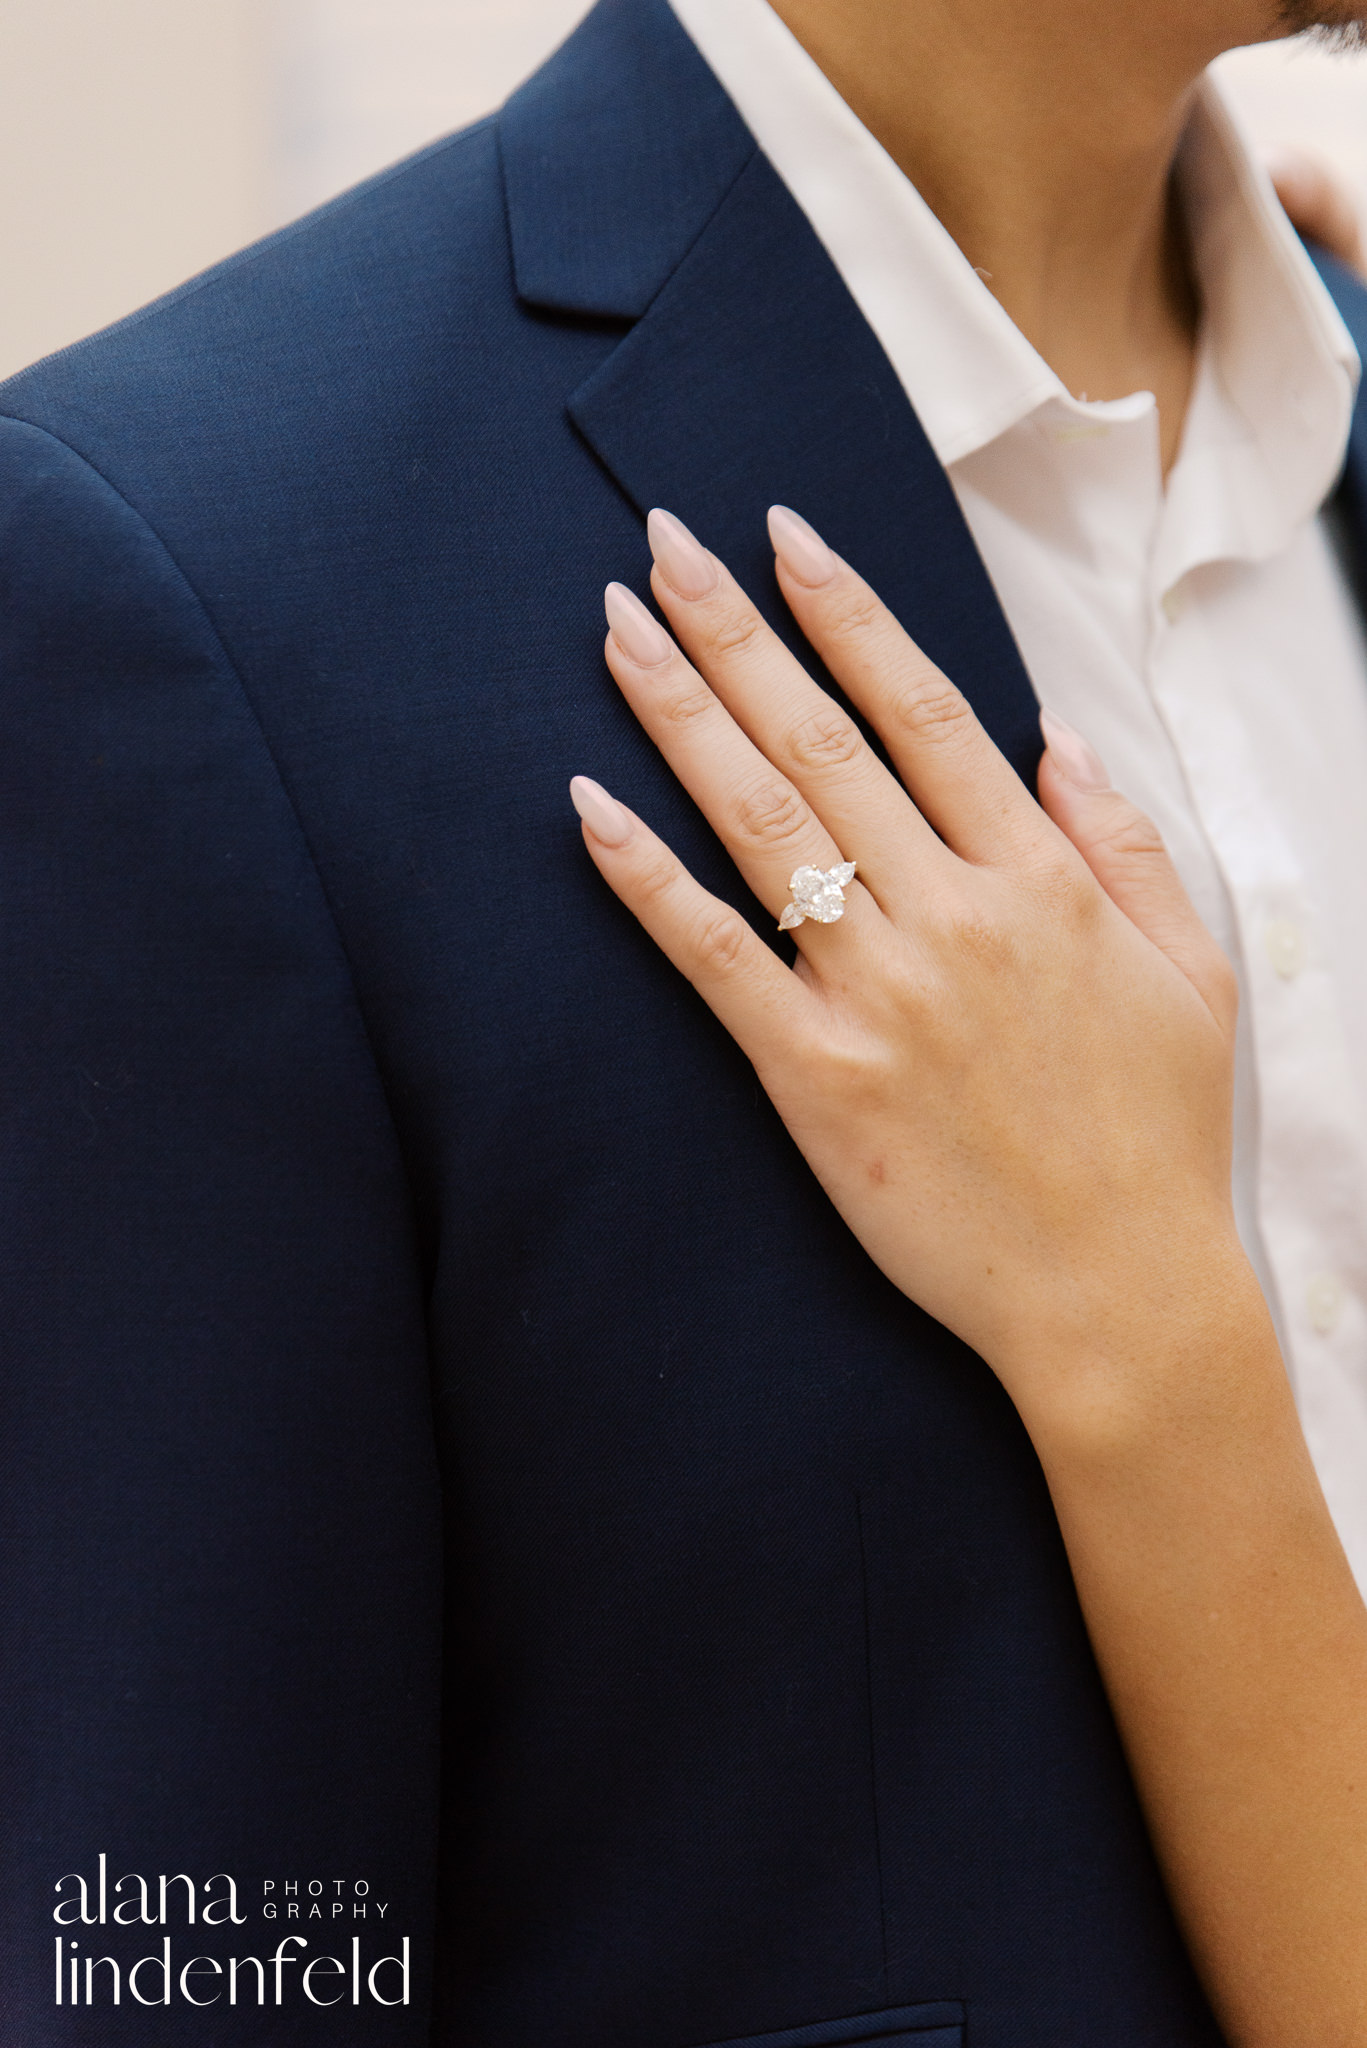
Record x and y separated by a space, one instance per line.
1229 1635
1178 1336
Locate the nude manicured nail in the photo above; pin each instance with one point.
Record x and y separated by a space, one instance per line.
602 813
800 548
680 559
1074 757
639 636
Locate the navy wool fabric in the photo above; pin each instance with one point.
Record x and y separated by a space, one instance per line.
450 1446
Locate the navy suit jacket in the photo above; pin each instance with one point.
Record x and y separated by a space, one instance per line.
454 1458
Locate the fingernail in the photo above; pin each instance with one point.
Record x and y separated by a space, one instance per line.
800 548
602 813
1075 758
639 636
679 558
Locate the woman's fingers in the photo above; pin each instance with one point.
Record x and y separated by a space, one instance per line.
765 823
787 781
810 738
953 1072
958 778
753 994
1124 850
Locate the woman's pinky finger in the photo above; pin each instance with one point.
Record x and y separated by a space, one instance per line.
752 993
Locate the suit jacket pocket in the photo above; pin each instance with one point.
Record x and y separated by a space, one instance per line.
909 2026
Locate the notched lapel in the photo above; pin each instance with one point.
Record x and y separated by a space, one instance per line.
614 154
750 376
753 379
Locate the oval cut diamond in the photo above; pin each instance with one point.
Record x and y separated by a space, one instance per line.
818 894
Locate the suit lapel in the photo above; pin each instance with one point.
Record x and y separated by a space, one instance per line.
751 377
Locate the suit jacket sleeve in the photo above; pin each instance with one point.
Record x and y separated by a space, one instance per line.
220 1609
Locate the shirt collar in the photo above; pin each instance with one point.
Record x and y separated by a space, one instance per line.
1273 340
1279 371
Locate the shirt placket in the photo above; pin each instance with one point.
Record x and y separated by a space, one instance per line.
1309 1177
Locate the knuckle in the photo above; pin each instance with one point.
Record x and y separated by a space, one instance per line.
844 1065
682 706
1059 869
771 813
1132 835
828 739
906 985
982 928
846 1068
656 878
734 633
805 1057
851 613
1068 891
977 936
927 708
721 942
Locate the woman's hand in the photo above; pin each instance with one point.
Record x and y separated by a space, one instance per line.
1010 1061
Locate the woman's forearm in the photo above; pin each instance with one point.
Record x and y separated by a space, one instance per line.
1233 1643
1006 1049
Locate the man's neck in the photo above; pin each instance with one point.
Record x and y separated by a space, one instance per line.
1044 143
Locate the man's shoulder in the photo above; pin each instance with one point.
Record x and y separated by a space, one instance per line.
310 326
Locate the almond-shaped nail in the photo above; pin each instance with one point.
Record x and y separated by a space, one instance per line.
641 638
1075 758
602 813
800 548
683 562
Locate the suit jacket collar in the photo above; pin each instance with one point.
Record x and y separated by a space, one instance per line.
614 154
749 377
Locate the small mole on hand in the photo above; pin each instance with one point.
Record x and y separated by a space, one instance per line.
878 1172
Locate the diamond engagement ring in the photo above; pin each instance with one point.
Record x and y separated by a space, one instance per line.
818 893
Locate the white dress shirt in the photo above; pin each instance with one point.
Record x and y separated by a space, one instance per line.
1202 636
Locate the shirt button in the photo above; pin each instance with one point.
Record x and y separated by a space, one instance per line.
1285 943
1174 604
1324 1300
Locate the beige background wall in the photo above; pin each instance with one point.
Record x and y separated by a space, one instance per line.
134 148
370 79
142 139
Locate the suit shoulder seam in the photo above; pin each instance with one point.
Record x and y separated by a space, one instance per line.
249 704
